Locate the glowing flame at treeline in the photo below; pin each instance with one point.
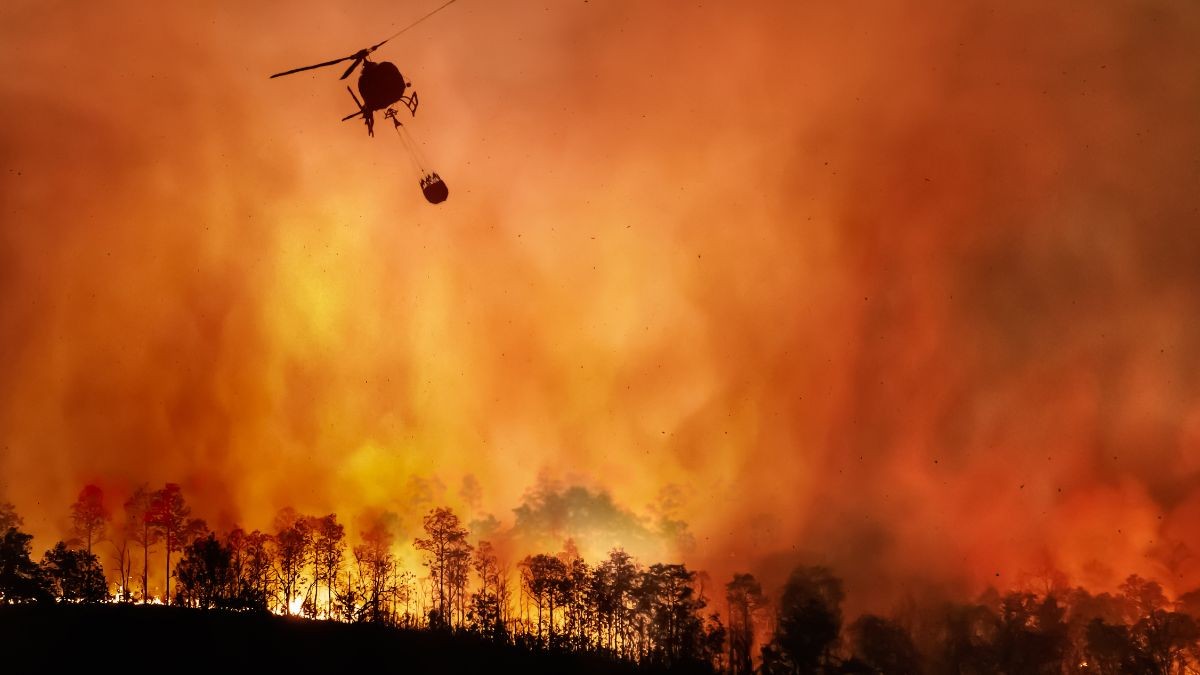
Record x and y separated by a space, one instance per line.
905 290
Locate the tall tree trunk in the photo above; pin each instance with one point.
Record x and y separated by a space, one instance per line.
145 563
168 601
442 583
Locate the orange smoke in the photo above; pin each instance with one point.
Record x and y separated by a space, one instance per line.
904 290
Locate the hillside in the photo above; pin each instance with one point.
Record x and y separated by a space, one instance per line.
169 639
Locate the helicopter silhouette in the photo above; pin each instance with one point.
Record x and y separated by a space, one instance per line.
381 86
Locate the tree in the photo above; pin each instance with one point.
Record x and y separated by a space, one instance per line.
139 526
745 600
9 518
206 575
1032 634
292 537
543 577
1110 650
486 614
676 630
253 566
968 639
613 584
574 596
808 622
328 548
169 516
89 515
74 576
376 564
458 575
883 645
1141 598
447 555
1164 640
120 540
715 636
21 580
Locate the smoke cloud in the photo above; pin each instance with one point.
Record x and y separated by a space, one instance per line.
909 290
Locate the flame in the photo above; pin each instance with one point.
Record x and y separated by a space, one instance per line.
295 606
847 287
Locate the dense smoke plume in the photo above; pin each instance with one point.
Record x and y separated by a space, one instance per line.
909 289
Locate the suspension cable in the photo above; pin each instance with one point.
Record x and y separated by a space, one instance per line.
413 24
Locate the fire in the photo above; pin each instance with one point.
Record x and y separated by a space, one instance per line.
296 605
854 287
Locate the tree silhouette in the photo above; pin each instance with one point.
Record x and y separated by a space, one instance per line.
447 555
120 540
968 639
253 566
1166 642
883 646
328 549
676 630
74 576
1141 597
291 540
8 517
1110 650
169 516
459 567
21 579
543 577
1189 603
139 525
206 574
89 516
486 614
1032 634
376 566
650 617
575 596
715 637
745 600
808 622
614 581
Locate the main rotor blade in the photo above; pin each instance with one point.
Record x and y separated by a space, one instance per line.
319 65
357 60
363 53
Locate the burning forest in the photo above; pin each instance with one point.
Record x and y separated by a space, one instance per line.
787 337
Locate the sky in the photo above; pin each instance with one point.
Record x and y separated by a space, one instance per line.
906 289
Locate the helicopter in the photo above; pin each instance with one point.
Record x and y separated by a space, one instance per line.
382 85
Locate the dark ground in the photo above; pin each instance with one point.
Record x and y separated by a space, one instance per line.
40 638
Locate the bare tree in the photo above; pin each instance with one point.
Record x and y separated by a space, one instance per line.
120 542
